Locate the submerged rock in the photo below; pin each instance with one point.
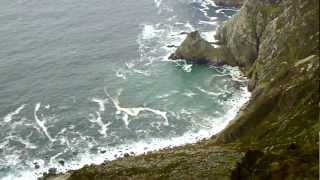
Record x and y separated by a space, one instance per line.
36 165
52 171
171 46
103 151
61 162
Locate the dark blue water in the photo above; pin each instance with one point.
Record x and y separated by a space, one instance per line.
85 81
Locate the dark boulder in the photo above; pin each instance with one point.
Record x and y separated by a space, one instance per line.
61 162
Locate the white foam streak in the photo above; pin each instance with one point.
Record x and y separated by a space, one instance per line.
189 26
208 22
209 36
168 94
209 3
146 73
135 111
158 3
208 92
101 103
150 32
121 75
187 67
98 120
41 123
9 116
27 144
189 93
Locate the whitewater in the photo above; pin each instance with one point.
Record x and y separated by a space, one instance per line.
85 82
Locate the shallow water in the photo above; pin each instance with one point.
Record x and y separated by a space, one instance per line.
87 81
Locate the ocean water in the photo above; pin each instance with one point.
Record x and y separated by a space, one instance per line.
87 81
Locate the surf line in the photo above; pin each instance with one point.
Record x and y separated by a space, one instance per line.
41 123
134 111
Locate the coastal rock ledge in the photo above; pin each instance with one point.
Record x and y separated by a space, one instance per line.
276 134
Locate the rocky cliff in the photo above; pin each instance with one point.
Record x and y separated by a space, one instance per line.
275 135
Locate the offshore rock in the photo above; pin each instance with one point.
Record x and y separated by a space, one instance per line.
197 50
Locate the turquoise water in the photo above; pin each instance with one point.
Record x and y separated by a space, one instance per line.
85 82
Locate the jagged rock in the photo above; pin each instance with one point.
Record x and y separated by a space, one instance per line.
61 162
171 46
36 165
195 49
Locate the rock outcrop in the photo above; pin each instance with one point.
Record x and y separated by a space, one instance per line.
275 135
194 48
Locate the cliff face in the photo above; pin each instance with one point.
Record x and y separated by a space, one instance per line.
277 45
275 135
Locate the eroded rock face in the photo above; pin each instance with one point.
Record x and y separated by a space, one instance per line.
194 48
276 42
241 36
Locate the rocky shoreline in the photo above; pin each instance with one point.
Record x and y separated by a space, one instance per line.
275 135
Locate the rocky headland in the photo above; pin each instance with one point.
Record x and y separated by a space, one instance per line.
276 134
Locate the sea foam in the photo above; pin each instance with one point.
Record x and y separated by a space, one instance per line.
42 123
9 116
135 111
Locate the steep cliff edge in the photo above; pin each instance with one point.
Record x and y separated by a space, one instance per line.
275 135
277 45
